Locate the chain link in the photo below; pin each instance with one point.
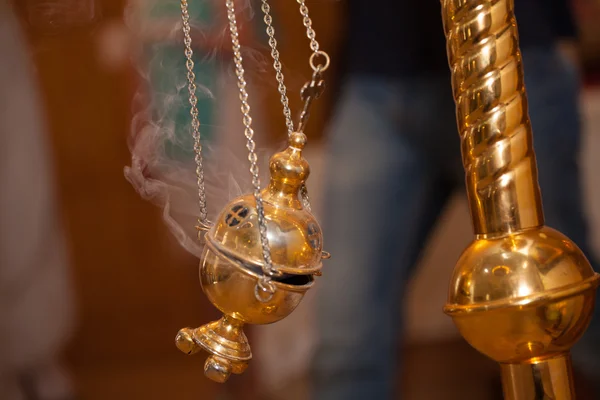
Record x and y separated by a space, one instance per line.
193 99
310 32
312 37
277 66
265 288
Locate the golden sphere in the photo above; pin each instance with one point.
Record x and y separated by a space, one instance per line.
231 287
522 296
232 261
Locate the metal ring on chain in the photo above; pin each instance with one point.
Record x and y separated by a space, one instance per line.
204 226
320 67
264 290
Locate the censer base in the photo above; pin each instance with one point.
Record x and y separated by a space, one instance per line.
549 379
224 340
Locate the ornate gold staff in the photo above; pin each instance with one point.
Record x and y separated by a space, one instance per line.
521 293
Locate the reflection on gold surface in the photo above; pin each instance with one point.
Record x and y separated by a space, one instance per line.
521 293
232 262
503 301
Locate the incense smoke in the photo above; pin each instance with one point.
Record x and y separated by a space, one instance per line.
162 167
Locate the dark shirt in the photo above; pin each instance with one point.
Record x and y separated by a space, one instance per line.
400 38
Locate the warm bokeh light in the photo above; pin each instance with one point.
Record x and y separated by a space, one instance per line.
99 272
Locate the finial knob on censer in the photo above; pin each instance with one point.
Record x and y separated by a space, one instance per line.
521 293
232 264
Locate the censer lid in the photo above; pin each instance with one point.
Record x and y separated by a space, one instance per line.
295 237
289 172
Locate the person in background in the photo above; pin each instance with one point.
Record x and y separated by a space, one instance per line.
394 161
36 298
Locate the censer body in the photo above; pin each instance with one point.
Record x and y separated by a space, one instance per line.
231 267
521 293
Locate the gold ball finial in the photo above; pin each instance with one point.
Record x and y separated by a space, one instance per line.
297 140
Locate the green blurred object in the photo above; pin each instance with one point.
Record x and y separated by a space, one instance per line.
168 78
168 75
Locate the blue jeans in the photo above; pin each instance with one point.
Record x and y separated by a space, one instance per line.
394 161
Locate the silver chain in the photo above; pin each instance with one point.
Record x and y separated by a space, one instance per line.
312 37
314 45
265 288
193 99
310 32
287 113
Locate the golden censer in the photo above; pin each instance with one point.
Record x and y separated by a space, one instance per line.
264 249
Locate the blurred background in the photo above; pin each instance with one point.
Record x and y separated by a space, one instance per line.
123 286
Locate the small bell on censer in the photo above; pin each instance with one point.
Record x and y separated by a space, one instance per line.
231 269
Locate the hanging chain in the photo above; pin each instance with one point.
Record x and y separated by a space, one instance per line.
265 289
203 222
318 69
312 36
277 66
316 80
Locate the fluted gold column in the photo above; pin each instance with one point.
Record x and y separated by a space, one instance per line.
521 293
492 116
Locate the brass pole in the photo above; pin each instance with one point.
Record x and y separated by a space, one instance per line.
521 293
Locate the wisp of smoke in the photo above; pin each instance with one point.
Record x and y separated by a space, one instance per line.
162 166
